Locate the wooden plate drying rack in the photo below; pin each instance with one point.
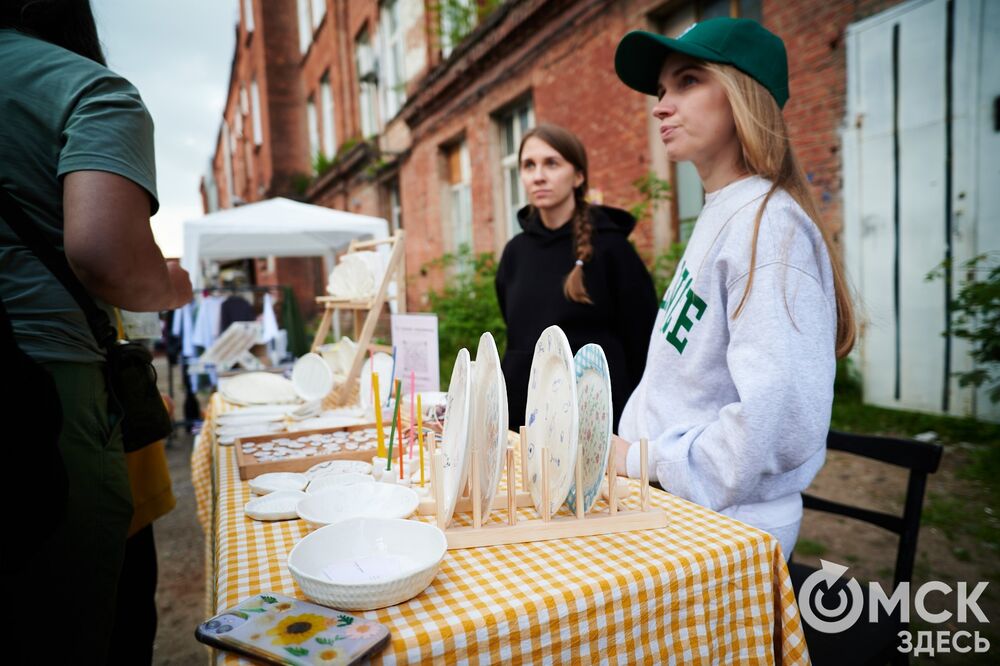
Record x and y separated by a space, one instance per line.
545 527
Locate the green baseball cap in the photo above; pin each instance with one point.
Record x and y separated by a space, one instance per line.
742 43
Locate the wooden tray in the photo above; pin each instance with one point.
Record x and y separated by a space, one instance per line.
250 467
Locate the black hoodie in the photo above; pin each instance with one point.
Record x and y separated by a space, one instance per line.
529 287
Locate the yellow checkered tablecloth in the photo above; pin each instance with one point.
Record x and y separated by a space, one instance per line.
704 590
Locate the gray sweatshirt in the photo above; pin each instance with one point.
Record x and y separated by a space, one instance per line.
737 410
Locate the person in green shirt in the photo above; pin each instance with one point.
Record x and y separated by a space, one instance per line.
76 155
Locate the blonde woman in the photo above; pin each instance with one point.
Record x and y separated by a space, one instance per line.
738 386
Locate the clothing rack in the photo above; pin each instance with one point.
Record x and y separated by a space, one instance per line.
275 290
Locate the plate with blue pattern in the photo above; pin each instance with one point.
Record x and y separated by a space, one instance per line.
593 393
551 417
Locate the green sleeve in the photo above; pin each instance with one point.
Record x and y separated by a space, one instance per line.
109 129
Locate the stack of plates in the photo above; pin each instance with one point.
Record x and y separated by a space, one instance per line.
569 411
257 388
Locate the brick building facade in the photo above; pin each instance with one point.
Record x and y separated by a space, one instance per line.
384 108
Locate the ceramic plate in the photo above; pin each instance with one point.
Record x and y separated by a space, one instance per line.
312 378
551 417
593 393
275 481
368 500
338 467
332 480
279 505
257 388
489 419
455 438
383 366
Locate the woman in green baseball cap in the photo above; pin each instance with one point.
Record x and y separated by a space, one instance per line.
738 385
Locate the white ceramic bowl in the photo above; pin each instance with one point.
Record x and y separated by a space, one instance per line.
327 481
370 500
400 557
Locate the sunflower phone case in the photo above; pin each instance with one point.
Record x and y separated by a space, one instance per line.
282 630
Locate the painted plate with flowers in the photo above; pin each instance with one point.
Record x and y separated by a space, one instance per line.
593 391
551 417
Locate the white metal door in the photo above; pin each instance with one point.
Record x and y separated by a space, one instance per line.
905 211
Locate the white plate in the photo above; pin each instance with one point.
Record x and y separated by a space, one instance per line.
325 481
257 388
383 366
455 438
551 417
593 392
338 467
370 500
312 378
279 505
275 481
489 420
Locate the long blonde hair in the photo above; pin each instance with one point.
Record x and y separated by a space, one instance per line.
766 151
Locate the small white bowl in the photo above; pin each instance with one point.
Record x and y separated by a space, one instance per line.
334 480
367 563
274 481
371 500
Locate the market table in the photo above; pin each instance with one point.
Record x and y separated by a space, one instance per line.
704 590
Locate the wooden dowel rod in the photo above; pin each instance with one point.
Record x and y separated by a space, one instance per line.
579 485
477 509
438 474
511 492
644 472
546 512
612 489
523 437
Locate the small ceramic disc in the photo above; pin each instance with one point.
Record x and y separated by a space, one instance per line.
275 481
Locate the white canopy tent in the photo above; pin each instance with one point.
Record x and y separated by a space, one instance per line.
277 228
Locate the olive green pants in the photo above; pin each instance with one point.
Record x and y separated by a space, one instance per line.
78 566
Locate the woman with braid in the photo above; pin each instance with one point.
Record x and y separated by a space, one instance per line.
574 267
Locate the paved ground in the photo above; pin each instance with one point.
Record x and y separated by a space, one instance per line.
180 549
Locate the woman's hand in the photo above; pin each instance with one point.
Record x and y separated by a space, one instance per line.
620 454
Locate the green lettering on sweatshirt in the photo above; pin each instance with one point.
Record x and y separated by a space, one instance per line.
691 300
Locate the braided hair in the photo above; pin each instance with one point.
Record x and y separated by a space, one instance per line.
571 148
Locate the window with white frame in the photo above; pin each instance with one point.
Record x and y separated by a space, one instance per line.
395 207
367 84
392 74
459 185
244 103
305 25
313 120
227 162
329 117
318 10
513 124
248 15
258 129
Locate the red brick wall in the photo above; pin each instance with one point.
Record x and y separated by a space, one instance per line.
817 64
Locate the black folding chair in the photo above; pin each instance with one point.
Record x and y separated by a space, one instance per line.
872 642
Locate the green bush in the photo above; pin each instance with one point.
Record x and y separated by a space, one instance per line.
975 312
467 305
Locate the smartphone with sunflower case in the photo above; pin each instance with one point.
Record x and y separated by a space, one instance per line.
282 630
